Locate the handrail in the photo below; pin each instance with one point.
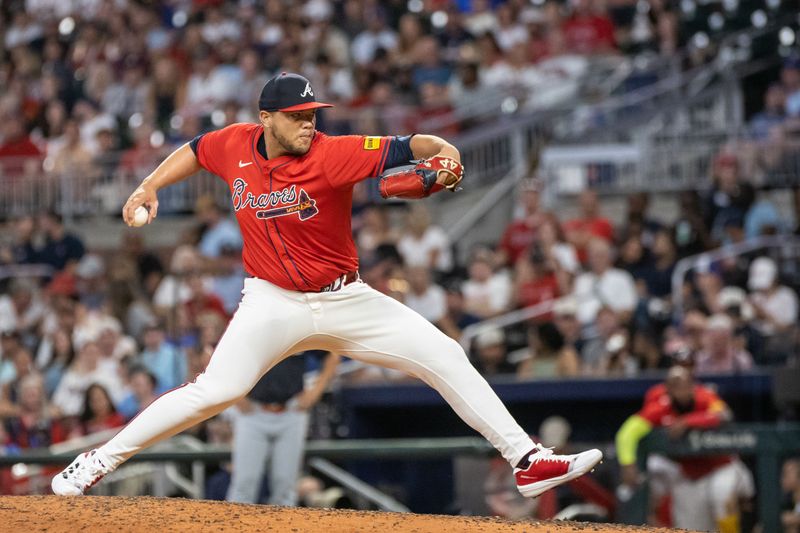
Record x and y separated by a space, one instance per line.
504 320
351 482
686 264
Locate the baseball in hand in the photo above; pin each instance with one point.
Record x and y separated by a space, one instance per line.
140 216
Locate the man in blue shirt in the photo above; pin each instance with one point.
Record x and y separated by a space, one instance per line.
164 360
220 231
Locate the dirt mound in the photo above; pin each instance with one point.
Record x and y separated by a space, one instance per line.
98 514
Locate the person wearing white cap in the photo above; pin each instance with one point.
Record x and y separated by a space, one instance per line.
775 305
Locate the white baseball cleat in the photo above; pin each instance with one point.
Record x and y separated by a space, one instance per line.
83 473
548 470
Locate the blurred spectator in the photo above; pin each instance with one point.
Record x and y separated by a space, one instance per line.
535 279
428 66
376 36
22 308
589 30
764 217
127 95
88 367
604 286
773 115
375 230
555 355
10 342
790 496
775 308
166 362
62 249
733 302
72 160
638 222
172 289
656 275
113 344
61 354
35 424
775 305
554 244
521 233
228 281
16 148
589 225
424 244
202 300
608 353
92 287
219 231
690 231
142 385
455 318
22 359
491 355
720 353
21 249
168 91
98 414
730 196
205 87
424 296
148 265
485 293
790 79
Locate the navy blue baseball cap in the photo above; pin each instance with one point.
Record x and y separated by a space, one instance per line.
288 92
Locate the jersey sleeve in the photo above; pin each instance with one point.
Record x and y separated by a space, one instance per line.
653 412
353 158
210 149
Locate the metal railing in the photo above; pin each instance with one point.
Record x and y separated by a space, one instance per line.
666 164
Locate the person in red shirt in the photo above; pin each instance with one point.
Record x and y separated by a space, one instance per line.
588 31
292 192
18 154
589 225
520 234
707 488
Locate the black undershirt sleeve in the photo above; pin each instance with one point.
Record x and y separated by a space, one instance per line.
194 142
399 152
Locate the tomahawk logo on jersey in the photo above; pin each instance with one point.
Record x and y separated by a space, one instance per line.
294 212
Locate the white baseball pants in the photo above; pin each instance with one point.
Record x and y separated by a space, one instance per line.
357 321
697 504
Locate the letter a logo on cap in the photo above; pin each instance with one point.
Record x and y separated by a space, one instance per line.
307 91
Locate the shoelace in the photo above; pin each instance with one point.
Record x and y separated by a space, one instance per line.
543 454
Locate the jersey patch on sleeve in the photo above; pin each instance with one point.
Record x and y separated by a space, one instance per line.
372 143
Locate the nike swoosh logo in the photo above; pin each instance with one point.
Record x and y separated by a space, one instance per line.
242 165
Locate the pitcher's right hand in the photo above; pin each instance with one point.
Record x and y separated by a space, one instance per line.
145 196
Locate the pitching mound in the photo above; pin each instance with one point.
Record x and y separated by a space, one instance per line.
98 514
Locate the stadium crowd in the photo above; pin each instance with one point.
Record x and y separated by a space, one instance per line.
83 78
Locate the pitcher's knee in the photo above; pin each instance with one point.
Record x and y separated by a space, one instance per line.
217 392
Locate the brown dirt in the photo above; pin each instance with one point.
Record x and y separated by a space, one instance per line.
99 514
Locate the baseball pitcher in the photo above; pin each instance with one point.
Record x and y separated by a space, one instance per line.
291 189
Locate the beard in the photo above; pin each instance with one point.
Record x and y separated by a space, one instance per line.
290 147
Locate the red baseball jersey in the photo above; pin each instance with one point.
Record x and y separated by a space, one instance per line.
294 212
659 411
